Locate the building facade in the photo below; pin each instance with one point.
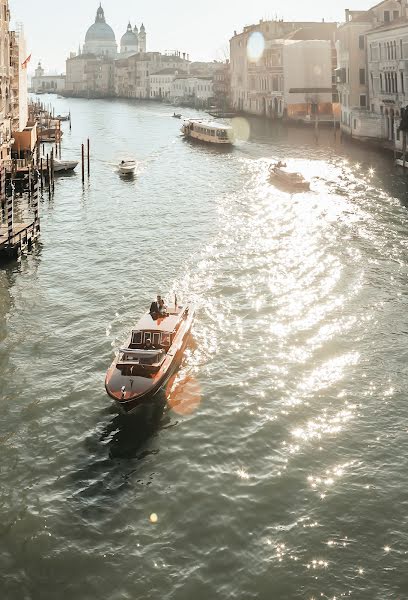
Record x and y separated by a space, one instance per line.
5 81
90 76
387 56
52 84
360 116
258 79
147 75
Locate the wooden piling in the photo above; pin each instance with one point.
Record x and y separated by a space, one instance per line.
42 176
52 170
83 163
88 157
10 205
48 175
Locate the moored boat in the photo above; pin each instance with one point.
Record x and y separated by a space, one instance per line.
150 356
280 174
63 166
177 115
127 167
63 117
207 131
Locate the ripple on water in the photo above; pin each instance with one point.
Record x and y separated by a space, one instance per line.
278 462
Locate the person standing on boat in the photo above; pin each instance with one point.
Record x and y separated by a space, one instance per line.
155 308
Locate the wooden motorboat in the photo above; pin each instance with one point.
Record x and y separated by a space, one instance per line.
138 372
63 117
295 181
127 167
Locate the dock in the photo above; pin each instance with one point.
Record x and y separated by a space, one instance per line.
16 237
23 235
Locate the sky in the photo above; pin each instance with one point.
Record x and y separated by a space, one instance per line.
54 28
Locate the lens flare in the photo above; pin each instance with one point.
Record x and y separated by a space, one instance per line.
255 46
241 129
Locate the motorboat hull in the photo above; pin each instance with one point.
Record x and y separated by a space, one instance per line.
65 166
287 181
127 168
144 388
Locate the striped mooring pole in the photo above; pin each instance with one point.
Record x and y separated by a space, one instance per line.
3 185
35 202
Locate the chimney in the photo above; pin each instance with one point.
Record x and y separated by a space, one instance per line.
184 56
347 15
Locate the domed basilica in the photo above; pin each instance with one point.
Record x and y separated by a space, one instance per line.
100 39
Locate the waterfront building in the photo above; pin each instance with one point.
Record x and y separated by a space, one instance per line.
222 85
307 80
161 82
135 75
197 91
360 115
18 83
52 84
90 76
5 80
387 55
258 81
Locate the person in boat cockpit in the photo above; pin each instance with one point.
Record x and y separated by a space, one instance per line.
149 346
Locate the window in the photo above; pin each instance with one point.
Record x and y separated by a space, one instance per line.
386 16
355 123
395 14
381 82
362 77
400 48
363 101
402 82
361 42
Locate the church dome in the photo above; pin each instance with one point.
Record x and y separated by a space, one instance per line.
100 31
129 38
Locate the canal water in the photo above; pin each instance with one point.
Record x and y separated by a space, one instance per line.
278 467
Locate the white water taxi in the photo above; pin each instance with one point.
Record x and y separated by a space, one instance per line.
206 131
127 167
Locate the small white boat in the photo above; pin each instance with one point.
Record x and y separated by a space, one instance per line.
64 117
127 167
206 131
280 174
61 166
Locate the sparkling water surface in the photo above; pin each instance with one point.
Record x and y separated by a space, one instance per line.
278 468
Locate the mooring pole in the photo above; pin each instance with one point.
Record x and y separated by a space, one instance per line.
36 202
88 156
42 175
83 163
10 203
